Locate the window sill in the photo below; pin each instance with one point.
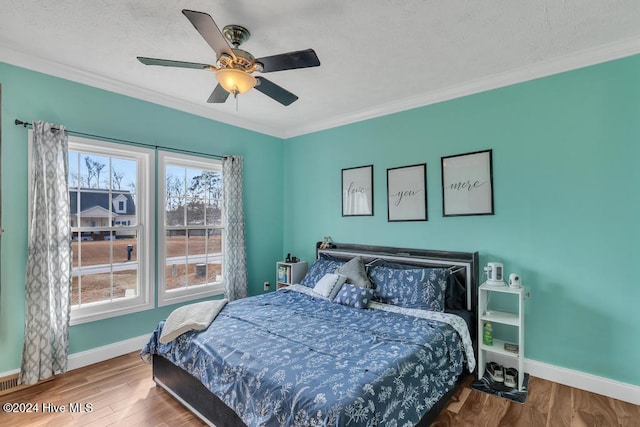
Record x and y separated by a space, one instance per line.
184 295
99 311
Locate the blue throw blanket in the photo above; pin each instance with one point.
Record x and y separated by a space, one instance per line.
291 359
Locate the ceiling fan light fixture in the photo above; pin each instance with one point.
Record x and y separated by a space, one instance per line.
235 81
234 66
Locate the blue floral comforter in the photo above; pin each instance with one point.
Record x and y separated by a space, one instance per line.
289 358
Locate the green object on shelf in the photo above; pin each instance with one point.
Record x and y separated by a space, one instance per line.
487 335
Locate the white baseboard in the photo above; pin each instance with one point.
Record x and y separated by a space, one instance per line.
105 352
592 383
9 373
98 354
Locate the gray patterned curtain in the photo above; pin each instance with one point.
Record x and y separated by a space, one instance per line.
46 334
234 259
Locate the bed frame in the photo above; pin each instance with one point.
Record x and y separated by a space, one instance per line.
208 407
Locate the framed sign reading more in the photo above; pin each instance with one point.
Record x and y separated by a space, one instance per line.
407 193
467 184
357 191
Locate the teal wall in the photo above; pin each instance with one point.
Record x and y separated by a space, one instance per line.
565 161
565 153
27 95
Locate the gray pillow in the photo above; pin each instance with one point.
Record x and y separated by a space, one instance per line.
355 272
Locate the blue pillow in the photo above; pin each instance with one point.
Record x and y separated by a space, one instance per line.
354 296
422 288
318 269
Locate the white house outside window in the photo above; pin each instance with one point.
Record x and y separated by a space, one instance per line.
112 207
190 229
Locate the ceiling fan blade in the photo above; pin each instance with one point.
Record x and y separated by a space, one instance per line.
289 61
208 29
274 91
171 63
218 96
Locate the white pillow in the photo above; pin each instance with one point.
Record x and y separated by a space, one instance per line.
329 285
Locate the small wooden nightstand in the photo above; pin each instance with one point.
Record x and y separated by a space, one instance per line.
288 273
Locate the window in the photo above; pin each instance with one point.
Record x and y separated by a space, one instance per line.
190 230
112 210
120 204
112 270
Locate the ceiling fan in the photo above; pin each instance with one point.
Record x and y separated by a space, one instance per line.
234 66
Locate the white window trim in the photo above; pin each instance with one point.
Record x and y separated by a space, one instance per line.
176 296
145 212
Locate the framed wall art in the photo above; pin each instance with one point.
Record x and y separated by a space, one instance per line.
467 184
357 191
407 193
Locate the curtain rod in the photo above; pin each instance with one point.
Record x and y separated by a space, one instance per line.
123 141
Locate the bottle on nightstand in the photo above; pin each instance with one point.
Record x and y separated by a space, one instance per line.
487 334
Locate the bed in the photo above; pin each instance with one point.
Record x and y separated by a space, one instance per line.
295 358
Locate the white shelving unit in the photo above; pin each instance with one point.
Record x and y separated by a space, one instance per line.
486 314
288 273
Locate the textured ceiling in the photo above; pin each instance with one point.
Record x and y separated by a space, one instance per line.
376 56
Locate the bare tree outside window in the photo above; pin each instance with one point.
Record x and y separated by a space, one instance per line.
193 226
98 168
104 225
117 178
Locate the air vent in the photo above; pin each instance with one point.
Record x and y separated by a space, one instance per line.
9 384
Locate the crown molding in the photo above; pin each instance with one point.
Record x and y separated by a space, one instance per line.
585 58
45 66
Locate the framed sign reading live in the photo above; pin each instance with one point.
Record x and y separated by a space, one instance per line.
357 191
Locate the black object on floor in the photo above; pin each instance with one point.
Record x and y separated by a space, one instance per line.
487 385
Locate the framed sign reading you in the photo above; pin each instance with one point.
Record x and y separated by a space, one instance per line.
357 191
467 184
407 193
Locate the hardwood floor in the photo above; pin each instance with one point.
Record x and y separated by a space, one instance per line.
548 404
121 392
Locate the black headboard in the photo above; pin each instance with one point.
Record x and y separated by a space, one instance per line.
464 266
